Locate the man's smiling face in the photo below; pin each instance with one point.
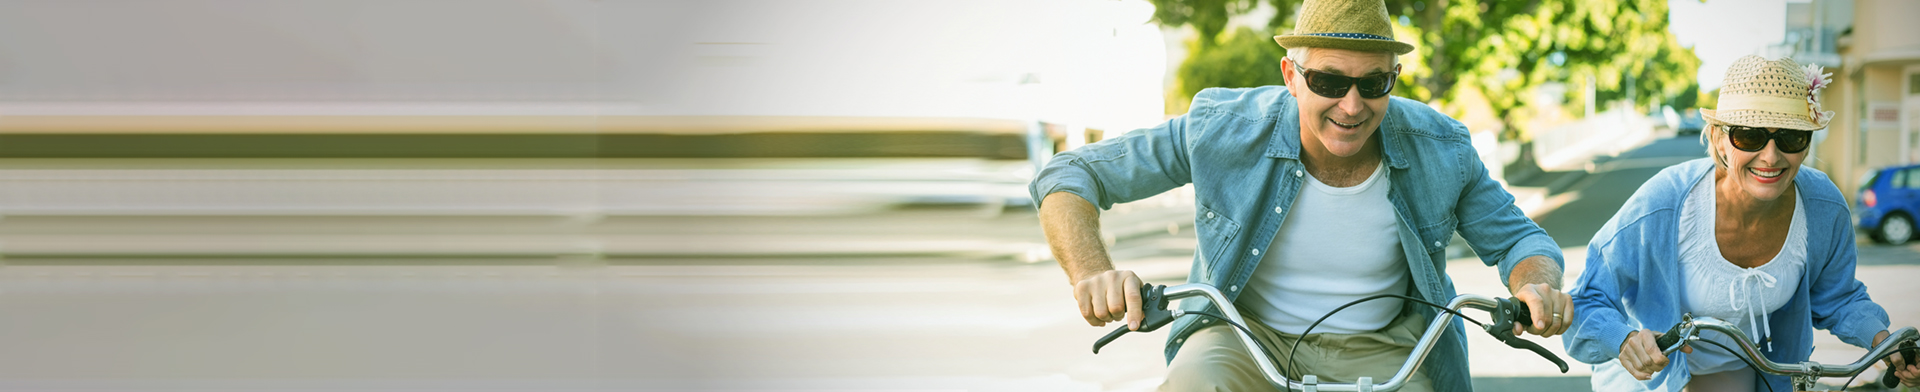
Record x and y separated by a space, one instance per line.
1340 126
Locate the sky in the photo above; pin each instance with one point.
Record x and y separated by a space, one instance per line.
1721 31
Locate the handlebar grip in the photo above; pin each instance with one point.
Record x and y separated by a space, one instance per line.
1109 338
1907 351
1521 314
1509 312
1888 380
1668 339
1154 314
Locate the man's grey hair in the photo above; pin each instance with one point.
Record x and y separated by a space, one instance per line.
1298 55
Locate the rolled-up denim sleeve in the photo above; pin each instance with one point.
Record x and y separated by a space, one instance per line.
1599 324
1134 166
1839 301
1496 229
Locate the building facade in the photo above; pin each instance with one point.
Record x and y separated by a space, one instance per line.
1872 47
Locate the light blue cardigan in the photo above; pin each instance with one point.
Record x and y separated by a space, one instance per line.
1633 274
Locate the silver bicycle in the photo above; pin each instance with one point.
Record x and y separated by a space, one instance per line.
1804 374
1505 312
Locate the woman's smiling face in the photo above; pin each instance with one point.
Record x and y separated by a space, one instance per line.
1766 174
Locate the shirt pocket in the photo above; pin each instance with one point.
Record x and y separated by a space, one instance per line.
1435 236
1216 234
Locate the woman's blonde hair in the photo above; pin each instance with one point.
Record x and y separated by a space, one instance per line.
1707 138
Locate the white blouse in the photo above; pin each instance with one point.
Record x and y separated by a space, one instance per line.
1717 288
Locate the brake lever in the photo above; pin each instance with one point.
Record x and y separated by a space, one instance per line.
1508 312
1667 342
1153 302
1908 351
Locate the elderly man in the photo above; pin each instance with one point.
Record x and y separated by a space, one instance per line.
1308 196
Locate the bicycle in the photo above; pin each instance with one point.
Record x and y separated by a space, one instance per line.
1506 313
1804 374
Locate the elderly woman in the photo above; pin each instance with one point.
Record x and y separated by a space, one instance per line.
1746 235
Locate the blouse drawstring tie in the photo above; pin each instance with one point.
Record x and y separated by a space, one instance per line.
1742 285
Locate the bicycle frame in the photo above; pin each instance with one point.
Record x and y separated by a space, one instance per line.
1310 383
1804 374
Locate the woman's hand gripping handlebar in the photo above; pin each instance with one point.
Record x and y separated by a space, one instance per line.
1804 374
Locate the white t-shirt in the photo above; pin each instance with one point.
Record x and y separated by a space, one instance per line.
1336 245
1717 288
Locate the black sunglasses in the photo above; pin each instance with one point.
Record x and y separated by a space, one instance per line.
1335 86
1752 139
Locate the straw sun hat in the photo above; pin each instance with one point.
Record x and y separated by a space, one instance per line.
1765 93
1360 25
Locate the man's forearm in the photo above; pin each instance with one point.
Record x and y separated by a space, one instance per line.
1073 232
1537 269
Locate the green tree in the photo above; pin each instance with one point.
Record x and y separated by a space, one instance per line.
1502 48
1242 58
1688 98
1708 99
1209 17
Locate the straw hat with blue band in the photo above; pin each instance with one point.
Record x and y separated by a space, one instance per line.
1360 25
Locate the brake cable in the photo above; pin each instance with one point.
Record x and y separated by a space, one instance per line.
1316 323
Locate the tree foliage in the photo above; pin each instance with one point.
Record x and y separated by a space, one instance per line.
1505 49
1242 58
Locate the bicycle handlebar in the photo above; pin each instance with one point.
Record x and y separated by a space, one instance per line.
1505 313
1688 330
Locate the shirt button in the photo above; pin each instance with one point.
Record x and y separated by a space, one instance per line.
1436 243
1209 214
1297 173
1277 210
1204 321
1233 288
1256 252
1180 340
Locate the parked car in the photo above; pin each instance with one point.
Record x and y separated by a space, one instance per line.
1889 200
1690 123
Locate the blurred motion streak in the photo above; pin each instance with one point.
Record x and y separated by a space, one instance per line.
556 194
81 186
446 128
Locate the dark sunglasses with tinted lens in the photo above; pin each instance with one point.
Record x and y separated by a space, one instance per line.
1752 139
1335 86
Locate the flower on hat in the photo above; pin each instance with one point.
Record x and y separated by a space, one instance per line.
1816 80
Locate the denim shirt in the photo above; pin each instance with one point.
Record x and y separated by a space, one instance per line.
1240 148
1632 279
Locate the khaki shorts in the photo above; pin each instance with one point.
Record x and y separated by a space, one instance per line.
1213 359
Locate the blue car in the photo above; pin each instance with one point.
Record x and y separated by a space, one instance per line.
1889 200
